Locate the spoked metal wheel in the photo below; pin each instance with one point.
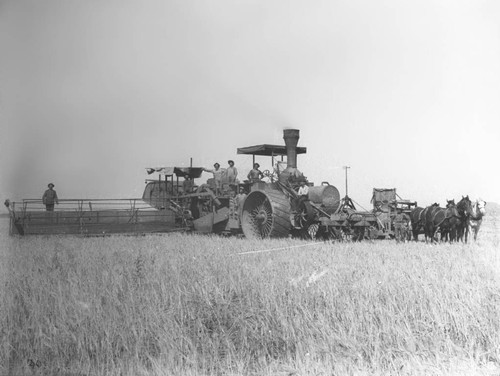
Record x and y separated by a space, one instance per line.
305 215
266 214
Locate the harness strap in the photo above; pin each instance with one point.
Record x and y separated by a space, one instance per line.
445 217
477 218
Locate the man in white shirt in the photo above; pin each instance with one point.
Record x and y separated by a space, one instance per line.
303 191
218 173
231 172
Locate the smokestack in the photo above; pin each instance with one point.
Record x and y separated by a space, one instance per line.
291 137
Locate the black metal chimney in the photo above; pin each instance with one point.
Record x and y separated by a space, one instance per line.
291 137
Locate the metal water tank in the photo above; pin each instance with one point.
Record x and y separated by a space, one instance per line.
326 196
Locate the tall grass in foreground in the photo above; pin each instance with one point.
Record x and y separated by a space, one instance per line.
190 305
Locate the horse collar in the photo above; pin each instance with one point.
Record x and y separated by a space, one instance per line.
477 217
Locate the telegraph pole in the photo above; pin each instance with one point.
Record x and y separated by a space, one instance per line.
346 168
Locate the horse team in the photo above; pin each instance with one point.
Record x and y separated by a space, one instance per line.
455 222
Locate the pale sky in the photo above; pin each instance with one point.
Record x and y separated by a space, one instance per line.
406 93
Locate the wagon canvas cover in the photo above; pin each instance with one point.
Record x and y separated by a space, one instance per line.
382 197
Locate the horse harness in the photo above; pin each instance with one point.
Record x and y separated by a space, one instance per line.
478 216
445 217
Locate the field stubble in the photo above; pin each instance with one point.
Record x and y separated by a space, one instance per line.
191 305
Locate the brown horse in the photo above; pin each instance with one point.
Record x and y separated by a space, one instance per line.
464 207
443 219
451 222
428 215
417 222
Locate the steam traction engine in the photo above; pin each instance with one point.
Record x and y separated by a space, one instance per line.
274 209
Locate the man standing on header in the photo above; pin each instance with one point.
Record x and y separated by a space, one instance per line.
50 197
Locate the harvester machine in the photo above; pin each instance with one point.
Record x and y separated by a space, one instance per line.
271 208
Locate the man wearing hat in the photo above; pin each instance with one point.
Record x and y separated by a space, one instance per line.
231 172
50 197
255 174
218 172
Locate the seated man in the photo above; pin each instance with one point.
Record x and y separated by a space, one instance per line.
302 193
187 184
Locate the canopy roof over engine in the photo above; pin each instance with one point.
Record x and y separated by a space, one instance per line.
268 150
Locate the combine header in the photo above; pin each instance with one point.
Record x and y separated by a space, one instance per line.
88 217
271 206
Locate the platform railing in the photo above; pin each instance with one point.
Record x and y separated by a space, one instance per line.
88 216
84 204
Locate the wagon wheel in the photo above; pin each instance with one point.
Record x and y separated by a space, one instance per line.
334 234
345 235
266 214
360 233
313 231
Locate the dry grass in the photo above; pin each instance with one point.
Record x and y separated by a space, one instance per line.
190 305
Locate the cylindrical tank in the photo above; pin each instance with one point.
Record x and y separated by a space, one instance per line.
326 196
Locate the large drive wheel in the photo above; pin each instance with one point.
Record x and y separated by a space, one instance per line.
266 214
